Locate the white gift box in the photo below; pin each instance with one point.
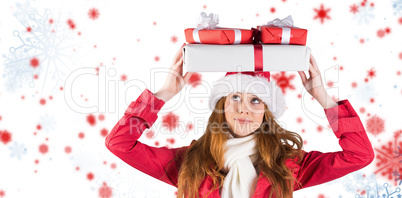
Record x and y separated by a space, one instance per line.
234 58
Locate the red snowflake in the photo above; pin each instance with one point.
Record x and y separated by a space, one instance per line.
105 191
189 126
387 30
2 193
195 79
150 134
354 8
371 73
91 120
101 117
29 29
43 148
170 140
322 13
90 176
283 81
5 136
71 24
321 196
42 101
123 77
170 121
380 33
67 149
113 165
389 157
93 13
319 129
34 62
375 125
174 39
330 83
104 132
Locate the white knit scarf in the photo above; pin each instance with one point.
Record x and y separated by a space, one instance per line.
240 156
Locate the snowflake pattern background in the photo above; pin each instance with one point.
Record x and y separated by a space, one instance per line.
48 40
17 150
64 65
397 6
364 14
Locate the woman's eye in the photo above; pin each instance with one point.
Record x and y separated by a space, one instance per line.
255 100
235 97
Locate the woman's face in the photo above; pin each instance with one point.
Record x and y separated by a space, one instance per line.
244 113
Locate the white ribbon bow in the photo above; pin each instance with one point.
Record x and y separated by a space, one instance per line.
285 24
209 22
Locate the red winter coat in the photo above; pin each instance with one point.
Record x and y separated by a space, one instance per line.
315 168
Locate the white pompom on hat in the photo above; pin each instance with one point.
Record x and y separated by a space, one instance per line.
257 83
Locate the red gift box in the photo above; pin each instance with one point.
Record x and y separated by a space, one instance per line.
282 35
219 36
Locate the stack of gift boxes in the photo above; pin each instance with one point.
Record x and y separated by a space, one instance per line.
276 46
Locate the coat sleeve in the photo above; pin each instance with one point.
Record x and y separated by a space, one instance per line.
317 167
123 142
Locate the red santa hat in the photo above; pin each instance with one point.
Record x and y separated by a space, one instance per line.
257 83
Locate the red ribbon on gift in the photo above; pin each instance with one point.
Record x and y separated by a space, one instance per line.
258 63
258 60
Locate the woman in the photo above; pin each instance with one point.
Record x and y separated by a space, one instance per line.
243 152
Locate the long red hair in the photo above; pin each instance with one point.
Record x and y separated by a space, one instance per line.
206 156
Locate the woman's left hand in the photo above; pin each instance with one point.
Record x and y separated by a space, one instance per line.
315 86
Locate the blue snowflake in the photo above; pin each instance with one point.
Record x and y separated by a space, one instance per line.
387 195
17 150
397 6
397 176
47 42
365 14
47 122
17 73
357 182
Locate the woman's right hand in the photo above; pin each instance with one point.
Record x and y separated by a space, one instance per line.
175 80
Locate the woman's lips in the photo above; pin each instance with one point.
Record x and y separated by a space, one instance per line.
243 121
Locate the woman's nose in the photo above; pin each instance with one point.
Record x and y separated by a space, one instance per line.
243 108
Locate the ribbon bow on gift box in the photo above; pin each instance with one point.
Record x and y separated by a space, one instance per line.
207 22
210 22
286 22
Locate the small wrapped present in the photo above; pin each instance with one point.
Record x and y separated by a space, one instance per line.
207 32
282 32
246 57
